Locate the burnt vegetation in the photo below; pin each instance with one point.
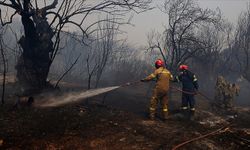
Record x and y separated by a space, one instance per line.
41 40
52 47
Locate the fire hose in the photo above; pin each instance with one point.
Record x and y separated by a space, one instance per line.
175 88
218 131
191 93
130 83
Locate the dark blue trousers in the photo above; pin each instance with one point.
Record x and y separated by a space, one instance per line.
188 100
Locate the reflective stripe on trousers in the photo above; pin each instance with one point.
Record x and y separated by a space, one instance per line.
184 108
165 109
152 109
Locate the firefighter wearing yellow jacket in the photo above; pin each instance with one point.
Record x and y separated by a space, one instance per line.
162 77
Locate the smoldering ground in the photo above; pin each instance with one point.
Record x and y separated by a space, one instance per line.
96 122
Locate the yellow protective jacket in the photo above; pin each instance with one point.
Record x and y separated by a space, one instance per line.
162 77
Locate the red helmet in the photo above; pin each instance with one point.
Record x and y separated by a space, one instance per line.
159 63
183 67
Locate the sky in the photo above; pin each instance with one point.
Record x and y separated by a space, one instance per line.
155 19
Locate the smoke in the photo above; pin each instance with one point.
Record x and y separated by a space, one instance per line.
55 101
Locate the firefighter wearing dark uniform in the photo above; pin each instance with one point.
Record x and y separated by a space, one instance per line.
189 87
162 77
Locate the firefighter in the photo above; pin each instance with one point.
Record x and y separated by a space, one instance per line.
225 94
162 77
220 86
189 87
230 92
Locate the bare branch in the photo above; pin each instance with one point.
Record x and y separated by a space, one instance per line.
51 6
66 72
8 22
13 4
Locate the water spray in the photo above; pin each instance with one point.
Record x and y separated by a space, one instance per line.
75 97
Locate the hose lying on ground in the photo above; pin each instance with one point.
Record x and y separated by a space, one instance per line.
218 131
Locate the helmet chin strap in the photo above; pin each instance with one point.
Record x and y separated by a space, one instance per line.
157 66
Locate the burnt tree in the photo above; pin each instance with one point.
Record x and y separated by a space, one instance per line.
34 63
241 47
179 42
3 63
41 40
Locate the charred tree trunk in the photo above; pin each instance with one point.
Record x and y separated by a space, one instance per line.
34 63
4 71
